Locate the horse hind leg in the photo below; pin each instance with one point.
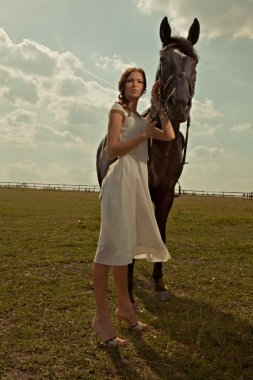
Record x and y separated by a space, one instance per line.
161 293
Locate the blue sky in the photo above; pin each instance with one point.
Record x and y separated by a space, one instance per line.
60 61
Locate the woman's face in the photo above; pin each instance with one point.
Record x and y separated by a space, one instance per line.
134 86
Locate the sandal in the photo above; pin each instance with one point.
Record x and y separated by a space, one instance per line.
115 342
138 326
111 342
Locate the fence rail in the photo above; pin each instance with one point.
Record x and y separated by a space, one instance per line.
239 194
50 186
96 188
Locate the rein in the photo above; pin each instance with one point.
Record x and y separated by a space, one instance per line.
186 140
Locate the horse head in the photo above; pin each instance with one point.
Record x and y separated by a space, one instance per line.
177 70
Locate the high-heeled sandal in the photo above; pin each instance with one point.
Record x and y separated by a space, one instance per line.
112 342
115 342
138 327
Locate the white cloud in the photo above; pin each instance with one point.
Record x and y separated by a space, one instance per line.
34 59
16 89
53 172
205 167
114 62
20 117
15 131
241 127
231 17
204 129
203 152
64 139
41 92
75 97
204 110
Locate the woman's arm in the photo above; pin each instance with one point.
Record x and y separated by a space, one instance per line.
114 146
167 132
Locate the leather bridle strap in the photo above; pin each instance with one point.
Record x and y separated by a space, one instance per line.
164 86
186 140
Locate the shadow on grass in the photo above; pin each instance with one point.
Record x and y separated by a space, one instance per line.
209 343
148 357
124 369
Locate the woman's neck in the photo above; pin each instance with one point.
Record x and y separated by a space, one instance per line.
133 105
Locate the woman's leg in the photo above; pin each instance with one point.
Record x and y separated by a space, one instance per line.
125 308
102 322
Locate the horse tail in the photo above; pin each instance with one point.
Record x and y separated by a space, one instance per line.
99 156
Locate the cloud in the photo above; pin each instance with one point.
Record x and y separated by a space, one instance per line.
114 62
20 117
204 129
53 172
202 152
16 89
64 139
34 59
18 128
238 128
72 107
231 17
205 167
43 91
205 110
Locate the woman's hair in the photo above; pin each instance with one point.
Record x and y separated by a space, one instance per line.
122 82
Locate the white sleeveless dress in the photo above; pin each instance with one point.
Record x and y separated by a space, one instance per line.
128 226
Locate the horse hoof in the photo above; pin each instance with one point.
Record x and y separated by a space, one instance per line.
162 296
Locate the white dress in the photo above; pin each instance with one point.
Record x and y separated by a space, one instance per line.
128 225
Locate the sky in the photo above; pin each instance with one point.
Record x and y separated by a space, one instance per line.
60 61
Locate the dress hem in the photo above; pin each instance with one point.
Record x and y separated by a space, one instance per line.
151 255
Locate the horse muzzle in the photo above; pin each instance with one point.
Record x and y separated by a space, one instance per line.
178 113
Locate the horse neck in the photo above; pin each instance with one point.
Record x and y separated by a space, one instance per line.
176 125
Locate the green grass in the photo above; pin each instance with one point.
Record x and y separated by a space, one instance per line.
47 245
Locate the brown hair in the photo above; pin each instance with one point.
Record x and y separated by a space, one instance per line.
122 81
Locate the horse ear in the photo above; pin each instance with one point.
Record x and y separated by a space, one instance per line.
194 30
165 31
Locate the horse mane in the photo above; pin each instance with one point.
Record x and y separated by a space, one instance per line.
184 45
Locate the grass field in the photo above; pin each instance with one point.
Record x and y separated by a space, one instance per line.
47 244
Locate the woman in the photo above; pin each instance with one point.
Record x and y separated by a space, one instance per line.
128 226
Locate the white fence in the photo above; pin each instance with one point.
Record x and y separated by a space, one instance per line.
50 186
239 194
96 188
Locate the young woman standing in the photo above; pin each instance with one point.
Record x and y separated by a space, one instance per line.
128 225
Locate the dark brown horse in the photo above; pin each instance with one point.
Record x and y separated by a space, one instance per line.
177 74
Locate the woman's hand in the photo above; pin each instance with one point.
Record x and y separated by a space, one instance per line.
150 129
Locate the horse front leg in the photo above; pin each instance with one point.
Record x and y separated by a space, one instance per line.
162 209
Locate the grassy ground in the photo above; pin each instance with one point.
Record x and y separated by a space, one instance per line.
47 244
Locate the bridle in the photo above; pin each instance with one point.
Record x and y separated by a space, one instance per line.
164 85
164 101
